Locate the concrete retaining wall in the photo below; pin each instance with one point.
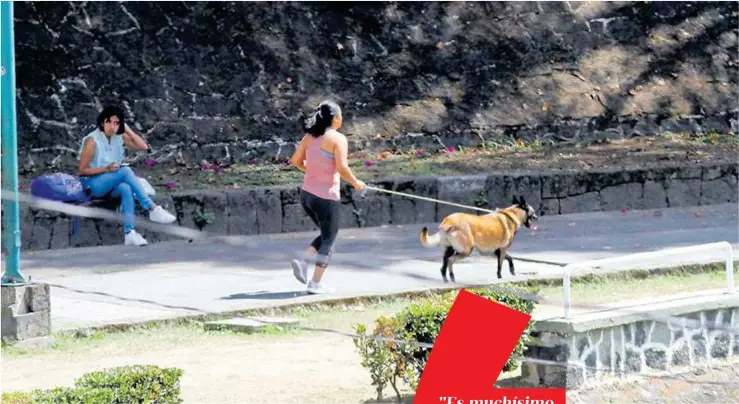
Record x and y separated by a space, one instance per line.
26 312
633 346
274 210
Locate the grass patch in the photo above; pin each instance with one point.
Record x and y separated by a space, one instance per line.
494 155
604 289
631 275
509 154
342 314
711 138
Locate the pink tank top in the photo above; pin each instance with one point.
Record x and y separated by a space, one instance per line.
321 176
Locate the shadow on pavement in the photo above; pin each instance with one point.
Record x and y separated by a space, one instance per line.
264 295
560 238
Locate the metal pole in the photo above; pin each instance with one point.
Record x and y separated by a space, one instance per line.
11 207
730 268
566 289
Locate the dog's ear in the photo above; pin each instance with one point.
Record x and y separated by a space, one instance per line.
521 201
515 200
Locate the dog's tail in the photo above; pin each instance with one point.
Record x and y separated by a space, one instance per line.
429 241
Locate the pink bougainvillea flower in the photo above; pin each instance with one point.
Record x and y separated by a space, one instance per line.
203 168
20 187
419 153
169 185
150 162
450 149
217 169
624 210
253 161
368 164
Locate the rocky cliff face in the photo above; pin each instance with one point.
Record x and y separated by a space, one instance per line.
228 79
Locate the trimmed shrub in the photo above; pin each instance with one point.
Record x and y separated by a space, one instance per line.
520 299
421 321
137 383
65 395
16 398
120 385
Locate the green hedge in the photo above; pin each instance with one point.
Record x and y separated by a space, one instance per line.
126 384
16 398
421 321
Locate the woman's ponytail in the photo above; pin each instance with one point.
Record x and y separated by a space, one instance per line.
317 123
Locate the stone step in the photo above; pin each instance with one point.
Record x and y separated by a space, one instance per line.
249 324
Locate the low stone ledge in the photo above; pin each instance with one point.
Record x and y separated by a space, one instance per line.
627 344
621 314
249 324
266 210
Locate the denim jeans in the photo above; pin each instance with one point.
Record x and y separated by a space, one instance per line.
120 184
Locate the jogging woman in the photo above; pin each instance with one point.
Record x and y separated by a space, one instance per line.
322 156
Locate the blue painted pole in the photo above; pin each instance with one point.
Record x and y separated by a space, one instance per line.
11 207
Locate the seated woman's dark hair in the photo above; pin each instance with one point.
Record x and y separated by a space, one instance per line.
319 121
109 111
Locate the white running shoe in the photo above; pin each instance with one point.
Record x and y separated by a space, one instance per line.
318 288
134 238
300 270
159 215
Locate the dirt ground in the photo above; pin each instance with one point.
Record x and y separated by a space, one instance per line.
219 367
288 366
690 387
310 368
665 149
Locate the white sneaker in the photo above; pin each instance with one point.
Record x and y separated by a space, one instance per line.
318 288
300 270
160 215
134 238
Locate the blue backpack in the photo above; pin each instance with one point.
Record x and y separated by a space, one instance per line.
59 187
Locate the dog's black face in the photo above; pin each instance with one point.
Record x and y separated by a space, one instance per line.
530 211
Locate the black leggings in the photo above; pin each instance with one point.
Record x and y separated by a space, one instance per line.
325 214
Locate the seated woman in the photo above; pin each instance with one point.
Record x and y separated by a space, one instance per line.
101 173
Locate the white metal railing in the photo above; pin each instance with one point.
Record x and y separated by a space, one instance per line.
723 246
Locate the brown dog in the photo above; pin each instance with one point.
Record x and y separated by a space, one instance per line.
460 233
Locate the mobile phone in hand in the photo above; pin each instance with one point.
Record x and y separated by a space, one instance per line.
124 164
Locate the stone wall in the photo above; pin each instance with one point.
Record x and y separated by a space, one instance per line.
274 210
636 348
229 79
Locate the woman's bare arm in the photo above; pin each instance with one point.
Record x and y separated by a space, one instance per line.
298 158
83 169
133 141
341 152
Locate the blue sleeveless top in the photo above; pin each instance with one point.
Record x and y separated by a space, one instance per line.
105 152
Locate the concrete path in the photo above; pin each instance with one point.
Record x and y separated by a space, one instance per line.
119 284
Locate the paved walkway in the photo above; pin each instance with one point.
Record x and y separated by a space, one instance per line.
118 284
